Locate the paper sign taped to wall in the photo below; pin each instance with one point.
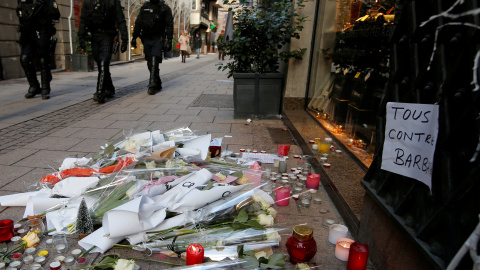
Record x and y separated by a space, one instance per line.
410 139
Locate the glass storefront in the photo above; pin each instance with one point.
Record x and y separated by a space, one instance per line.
349 70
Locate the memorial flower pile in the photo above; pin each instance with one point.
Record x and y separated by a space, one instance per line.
156 191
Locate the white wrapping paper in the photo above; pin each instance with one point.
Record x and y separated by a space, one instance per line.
21 199
74 186
100 240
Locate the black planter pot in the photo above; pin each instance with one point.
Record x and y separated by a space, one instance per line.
258 95
82 62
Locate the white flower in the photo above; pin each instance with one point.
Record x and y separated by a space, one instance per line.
151 164
260 199
265 220
170 163
271 211
158 174
130 146
272 235
302 266
249 120
260 254
123 264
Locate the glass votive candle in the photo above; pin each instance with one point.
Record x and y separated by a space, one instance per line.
69 260
342 248
35 266
30 251
28 259
60 243
49 243
40 260
282 196
76 253
337 231
16 227
6 230
22 232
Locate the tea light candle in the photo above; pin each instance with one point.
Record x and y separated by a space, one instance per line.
195 254
237 154
242 150
69 260
337 231
16 227
15 264
61 248
28 259
343 248
30 251
49 242
16 239
254 151
315 146
42 253
59 258
81 261
263 151
2 265
317 201
40 260
276 163
55 266
282 196
357 257
76 253
35 266
17 256
327 165
22 232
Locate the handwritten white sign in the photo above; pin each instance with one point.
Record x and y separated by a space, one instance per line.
410 138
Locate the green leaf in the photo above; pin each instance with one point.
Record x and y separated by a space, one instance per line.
251 262
240 251
208 186
108 262
255 225
242 216
270 266
277 259
263 260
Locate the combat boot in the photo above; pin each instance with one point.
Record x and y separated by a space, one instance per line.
46 77
109 88
154 84
99 95
34 86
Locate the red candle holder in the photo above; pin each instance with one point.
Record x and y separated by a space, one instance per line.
194 254
358 256
6 230
313 180
283 150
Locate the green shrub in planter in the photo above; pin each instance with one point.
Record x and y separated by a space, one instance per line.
260 32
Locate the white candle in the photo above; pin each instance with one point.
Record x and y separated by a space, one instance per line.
30 250
40 260
76 253
28 259
69 260
35 266
60 248
337 231
59 259
2 265
15 264
342 249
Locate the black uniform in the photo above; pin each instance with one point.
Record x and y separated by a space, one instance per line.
36 30
154 26
99 22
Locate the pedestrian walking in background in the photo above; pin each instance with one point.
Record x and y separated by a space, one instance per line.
197 42
183 41
36 31
100 22
154 26
221 52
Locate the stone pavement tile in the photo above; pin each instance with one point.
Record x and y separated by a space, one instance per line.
94 123
16 155
65 132
210 128
244 127
13 213
98 116
28 181
120 108
146 105
89 145
46 159
4 125
211 113
187 100
195 119
160 118
53 143
95 133
157 110
127 125
206 108
244 140
188 111
167 125
124 116
11 173
182 92
227 117
179 100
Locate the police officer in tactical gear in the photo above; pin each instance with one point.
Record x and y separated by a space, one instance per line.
154 26
99 22
36 30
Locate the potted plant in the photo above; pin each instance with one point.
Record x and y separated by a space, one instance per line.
82 60
175 52
261 34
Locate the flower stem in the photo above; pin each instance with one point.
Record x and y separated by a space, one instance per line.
150 260
92 266
83 254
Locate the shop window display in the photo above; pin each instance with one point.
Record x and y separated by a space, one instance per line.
350 69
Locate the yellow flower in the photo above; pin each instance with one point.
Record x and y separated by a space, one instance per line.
31 239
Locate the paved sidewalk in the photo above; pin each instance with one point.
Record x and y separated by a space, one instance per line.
36 135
